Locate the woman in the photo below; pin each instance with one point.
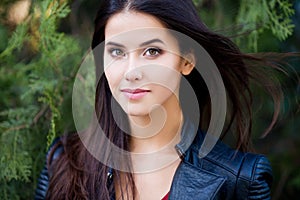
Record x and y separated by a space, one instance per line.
137 47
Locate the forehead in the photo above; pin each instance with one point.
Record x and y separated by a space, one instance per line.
135 27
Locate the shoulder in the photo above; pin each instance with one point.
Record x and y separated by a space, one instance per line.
247 175
255 176
54 151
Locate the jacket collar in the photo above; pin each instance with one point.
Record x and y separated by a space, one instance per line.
188 134
191 182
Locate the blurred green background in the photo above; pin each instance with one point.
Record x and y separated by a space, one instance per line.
43 42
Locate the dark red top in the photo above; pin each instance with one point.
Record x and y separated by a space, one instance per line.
166 197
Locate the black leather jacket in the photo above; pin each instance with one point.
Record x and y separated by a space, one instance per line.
223 174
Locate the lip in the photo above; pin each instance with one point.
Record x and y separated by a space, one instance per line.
135 94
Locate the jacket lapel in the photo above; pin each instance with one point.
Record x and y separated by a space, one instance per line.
191 183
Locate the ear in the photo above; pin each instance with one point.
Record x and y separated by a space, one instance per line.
188 65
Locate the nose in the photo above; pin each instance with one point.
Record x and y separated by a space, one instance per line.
134 72
133 75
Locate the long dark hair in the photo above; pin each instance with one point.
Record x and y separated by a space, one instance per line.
78 175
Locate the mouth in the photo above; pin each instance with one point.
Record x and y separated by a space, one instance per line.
135 94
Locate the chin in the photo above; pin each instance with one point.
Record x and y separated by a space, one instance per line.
134 110
137 114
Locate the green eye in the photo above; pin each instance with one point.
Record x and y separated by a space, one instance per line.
117 52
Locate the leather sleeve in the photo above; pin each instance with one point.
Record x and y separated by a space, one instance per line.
43 181
262 178
256 178
42 186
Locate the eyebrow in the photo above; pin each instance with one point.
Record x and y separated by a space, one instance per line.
143 44
151 41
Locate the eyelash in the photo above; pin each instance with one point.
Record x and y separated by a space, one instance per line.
121 53
157 50
111 52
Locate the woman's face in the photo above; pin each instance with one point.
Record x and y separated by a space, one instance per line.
142 63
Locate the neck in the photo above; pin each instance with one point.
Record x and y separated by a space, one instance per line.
160 129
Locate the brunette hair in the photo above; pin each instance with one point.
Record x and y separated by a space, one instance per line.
78 175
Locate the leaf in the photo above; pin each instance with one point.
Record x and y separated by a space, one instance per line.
261 15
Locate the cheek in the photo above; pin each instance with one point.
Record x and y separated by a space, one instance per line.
173 81
172 61
167 77
114 77
164 85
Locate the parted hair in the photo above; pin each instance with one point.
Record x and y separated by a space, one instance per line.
76 174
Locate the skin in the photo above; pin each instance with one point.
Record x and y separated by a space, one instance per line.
146 59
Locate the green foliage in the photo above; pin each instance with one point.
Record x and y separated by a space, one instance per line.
257 16
38 64
246 21
37 68
16 41
15 163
